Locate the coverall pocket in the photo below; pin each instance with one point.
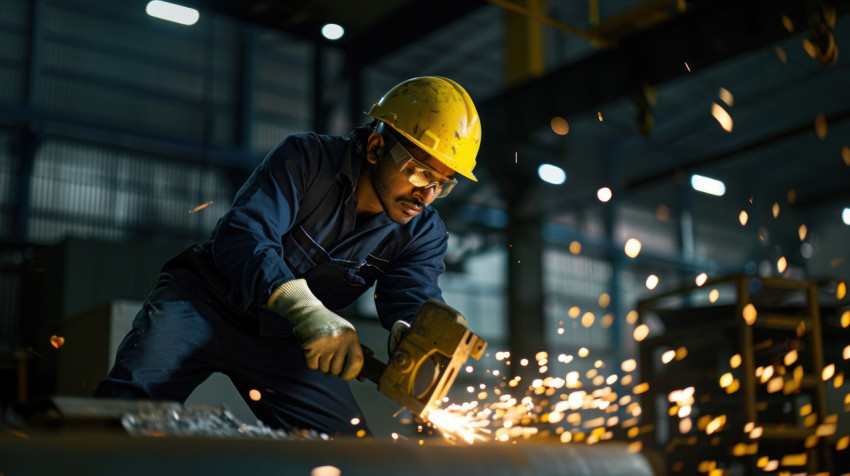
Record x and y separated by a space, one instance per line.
370 270
296 256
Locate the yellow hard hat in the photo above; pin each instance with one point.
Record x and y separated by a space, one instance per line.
438 116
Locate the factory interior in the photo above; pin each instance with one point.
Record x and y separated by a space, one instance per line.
656 250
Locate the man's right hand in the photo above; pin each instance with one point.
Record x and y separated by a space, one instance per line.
330 342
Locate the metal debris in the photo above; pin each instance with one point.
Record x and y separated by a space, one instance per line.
203 421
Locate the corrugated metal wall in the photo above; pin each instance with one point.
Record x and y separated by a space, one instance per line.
13 47
97 192
125 82
141 120
283 90
575 281
111 63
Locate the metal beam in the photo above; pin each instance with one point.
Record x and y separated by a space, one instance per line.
804 127
711 32
320 112
246 105
535 12
355 97
594 244
526 316
31 134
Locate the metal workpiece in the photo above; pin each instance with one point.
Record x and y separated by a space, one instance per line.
102 454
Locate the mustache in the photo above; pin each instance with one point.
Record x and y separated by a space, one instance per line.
414 201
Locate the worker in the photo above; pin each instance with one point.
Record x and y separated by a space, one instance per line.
320 220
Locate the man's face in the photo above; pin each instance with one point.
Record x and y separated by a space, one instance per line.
400 199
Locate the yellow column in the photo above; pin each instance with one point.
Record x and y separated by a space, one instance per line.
524 42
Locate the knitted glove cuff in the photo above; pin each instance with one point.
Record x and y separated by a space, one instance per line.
292 295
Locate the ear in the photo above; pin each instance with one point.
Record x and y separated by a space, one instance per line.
375 147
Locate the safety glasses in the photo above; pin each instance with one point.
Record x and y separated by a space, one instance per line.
417 173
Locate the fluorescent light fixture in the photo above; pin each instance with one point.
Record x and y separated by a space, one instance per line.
552 174
708 185
332 31
172 12
846 216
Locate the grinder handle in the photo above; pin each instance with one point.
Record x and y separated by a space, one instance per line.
372 367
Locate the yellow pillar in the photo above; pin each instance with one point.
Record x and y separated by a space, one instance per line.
524 42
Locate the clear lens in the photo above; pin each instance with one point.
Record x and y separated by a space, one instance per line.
419 174
422 176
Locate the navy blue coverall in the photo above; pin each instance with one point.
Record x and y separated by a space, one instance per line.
295 217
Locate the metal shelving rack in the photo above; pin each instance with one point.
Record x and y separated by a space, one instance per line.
714 328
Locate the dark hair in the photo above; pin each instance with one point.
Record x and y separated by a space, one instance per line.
360 137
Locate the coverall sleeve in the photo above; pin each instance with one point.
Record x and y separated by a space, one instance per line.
412 279
247 246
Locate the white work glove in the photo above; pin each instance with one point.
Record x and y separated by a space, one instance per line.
330 342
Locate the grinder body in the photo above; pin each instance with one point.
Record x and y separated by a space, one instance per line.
427 360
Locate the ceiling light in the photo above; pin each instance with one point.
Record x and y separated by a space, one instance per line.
552 174
172 12
846 216
332 31
708 185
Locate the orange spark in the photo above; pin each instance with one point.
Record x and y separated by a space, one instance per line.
57 341
722 117
201 207
559 126
713 295
726 96
632 248
820 126
780 53
750 313
641 332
